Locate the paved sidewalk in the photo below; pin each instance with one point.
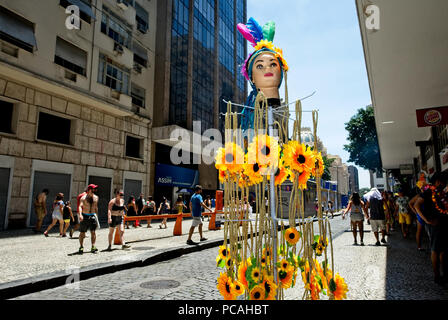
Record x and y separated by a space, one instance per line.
28 258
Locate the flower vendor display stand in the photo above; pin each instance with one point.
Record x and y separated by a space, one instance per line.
257 158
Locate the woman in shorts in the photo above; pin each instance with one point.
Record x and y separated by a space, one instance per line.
58 207
115 215
67 215
357 211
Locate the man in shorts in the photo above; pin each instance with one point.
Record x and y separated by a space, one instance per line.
88 207
196 202
40 207
377 216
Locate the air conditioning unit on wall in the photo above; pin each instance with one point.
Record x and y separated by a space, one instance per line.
123 5
118 48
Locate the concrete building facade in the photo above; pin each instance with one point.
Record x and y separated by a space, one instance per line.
353 181
78 102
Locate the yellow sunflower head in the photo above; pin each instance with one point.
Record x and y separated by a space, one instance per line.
297 157
242 268
225 287
284 265
257 293
270 288
340 292
285 277
304 176
224 252
318 169
264 150
229 263
254 275
230 158
254 172
239 287
292 236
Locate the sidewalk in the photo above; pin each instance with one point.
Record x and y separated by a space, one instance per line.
32 261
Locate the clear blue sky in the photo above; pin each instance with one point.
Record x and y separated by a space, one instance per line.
321 42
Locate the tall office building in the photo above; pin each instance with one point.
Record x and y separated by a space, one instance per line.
353 179
198 56
76 97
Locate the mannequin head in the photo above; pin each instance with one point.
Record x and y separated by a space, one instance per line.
267 74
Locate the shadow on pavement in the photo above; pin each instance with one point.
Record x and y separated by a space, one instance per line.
409 274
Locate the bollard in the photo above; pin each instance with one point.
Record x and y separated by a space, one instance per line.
117 236
177 231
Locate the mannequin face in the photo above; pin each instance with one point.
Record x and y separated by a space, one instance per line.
266 74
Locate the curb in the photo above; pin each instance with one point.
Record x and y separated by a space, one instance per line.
59 278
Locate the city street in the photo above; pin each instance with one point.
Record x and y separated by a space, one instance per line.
395 271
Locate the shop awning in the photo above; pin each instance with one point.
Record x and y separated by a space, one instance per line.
407 68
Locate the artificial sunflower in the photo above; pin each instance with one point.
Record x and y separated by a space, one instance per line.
224 252
254 172
239 288
297 157
267 252
318 169
242 273
292 236
303 179
285 277
263 261
223 176
229 263
254 274
338 287
319 249
280 175
230 158
284 265
225 287
257 293
264 150
270 288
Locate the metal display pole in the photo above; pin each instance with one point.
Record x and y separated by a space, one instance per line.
272 197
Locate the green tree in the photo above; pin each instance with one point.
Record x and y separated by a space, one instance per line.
327 164
363 141
363 191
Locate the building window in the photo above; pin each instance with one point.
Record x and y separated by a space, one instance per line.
53 128
138 95
134 147
112 75
70 57
85 8
17 30
115 28
142 18
140 54
7 118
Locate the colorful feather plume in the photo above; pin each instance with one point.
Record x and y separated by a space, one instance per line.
255 29
269 31
245 32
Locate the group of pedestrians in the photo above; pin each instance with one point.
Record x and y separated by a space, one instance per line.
428 208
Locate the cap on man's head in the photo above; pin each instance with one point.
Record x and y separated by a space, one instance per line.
92 186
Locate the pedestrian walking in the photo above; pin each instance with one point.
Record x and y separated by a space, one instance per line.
330 208
420 222
376 214
88 207
115 214
67 215
131 211
74 223
357 212
389 211
208 203
164 208
150 209
404 216
180 205
58 207
40 208
430 206
196 203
